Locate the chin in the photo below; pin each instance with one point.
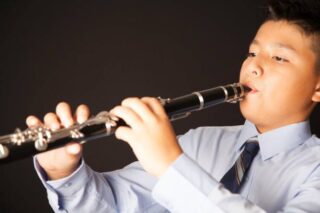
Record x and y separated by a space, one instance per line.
250 112
263 120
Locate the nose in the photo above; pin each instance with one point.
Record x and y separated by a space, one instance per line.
254 68
255 72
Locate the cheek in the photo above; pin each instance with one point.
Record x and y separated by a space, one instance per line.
242 72
290 92
280 88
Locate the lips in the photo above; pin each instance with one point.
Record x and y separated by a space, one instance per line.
252 87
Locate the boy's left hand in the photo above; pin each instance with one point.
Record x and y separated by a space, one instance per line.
149 133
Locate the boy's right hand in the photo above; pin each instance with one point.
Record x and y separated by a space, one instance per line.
61 162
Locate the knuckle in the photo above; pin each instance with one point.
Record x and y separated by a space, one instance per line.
154 100
151 100
129 101
146 99
117 109
156 121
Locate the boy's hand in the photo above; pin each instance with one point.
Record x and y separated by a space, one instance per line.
149 134
63 161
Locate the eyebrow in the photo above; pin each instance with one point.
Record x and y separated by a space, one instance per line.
278 45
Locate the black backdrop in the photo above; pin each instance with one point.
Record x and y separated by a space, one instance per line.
99 52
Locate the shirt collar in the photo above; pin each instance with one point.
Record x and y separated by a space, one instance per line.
275 141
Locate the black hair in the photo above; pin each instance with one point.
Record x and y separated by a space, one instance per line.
303 13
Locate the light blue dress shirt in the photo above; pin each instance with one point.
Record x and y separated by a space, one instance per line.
284 177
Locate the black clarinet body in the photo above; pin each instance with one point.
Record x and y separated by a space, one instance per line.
22 144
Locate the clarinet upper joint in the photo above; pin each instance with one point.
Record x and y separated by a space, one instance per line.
35 140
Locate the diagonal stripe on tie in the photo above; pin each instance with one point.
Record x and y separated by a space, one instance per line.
240 169
234 178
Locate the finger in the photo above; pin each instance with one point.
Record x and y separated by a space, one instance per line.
128 115
155 105
82 113
140 108
63 111
123 133
32 121
74 149
51 120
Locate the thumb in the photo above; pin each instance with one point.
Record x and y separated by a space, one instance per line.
73 149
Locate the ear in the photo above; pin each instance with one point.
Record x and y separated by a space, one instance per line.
316 94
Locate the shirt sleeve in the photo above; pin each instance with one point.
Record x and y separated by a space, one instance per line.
82 191
125 190
185 187
306 197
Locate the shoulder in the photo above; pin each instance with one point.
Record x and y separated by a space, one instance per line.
210 132
313 142
304 164
305 159
208 137
312 148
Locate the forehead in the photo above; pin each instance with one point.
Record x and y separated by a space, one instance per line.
284 34
279 34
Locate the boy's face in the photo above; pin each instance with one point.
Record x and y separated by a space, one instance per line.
280 69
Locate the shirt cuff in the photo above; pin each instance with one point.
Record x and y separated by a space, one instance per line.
185 187
68 185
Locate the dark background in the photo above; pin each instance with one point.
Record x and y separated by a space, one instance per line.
99 52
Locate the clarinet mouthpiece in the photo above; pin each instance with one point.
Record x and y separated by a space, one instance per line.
246 88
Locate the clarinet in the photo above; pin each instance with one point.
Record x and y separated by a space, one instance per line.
31 141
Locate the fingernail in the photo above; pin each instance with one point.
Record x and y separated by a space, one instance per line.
55 126
31 121
68 123
81 119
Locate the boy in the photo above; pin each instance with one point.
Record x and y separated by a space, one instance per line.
182 175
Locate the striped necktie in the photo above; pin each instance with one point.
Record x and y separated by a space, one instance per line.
235 177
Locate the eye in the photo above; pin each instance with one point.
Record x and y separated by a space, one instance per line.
280 59
251 55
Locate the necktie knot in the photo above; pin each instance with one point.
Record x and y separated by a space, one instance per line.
251 147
